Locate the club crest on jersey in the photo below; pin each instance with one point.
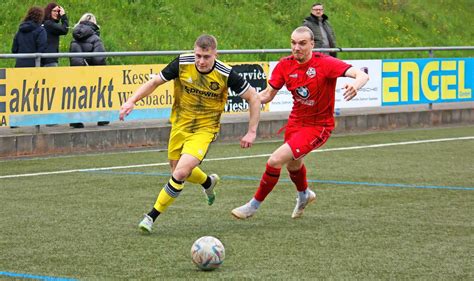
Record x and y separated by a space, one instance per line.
302 92
214 86
311 72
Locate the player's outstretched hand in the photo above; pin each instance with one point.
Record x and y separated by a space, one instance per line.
248 140
350 92
125 110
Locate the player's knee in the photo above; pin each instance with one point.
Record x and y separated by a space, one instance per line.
291 167
275 161
294 165
181 174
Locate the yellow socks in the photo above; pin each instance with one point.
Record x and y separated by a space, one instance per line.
168 194
197 176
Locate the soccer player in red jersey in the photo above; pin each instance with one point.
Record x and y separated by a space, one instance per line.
311 78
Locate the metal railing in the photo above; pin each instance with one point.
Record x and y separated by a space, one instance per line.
39 56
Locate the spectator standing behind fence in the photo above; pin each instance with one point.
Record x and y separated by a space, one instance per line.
86 38
56 24
318 22
30 38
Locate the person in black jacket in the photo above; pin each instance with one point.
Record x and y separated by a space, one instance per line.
86 38
56 24
30 38
318 22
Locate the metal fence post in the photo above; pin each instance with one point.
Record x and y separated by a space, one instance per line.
37 64
38 60
431 55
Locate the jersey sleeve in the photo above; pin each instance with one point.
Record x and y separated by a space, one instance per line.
237 83
277 80
171 71
337 68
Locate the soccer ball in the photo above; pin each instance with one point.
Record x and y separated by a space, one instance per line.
208 253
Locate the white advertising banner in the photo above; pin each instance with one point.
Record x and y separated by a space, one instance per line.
283 101
369 96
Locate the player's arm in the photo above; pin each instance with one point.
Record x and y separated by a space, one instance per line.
145 90
242 88
360 79
253 99
268 94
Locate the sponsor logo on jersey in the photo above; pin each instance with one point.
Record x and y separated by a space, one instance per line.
214 86
195 91
303 92
311 72
294 75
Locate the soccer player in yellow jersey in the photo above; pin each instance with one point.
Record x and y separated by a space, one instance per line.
200 94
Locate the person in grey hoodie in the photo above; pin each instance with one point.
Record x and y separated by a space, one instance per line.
318 22
86 38
30 38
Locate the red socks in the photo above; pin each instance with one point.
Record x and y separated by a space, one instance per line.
299 178
268 181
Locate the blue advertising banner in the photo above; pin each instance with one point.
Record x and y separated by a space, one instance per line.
422 81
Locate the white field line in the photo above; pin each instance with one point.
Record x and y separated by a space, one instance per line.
235 157
132 151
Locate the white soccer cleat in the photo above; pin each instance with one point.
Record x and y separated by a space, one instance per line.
146 224
210 193
244 212
299 208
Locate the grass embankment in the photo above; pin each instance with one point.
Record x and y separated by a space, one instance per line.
136 25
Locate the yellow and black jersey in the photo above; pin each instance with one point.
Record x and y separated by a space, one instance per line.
200 98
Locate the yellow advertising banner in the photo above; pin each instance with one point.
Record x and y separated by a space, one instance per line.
54 95
58 95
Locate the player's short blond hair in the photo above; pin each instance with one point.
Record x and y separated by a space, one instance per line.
206 42
304 29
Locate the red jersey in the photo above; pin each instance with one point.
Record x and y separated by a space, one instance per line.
313 86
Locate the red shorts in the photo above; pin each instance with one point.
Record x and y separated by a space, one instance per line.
303 140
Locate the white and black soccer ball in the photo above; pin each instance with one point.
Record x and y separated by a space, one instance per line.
208 253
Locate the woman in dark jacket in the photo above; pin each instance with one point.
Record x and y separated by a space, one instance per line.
86 38
30 38
56 24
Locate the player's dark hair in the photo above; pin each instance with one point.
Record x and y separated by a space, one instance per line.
206 42
317 4
35 14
